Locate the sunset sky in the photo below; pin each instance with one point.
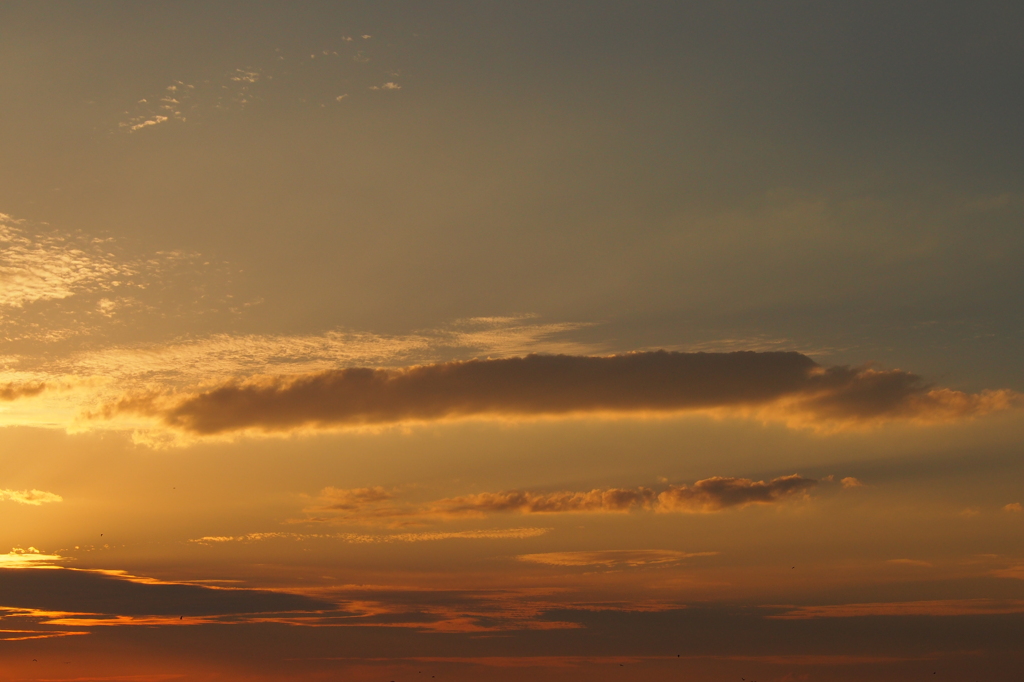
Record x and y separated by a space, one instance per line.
393 341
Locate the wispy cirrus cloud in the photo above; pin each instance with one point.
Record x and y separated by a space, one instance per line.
782 386
612 557
56 285
39 266
384 538
226 356
938 607
99 375
361 63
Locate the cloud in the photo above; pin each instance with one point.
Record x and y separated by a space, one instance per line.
774 385
942 607
37 266
13 391
717 493
1015 572
1013 507
354 499
611 557
23 558
524 502
221 357
851 482
367 505
89 597
96 376
33 497
366 539
55 285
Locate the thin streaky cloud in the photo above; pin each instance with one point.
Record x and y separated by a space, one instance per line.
710 495
364 539
938 607
22 558
612 557
526 502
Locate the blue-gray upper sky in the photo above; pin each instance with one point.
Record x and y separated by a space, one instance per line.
846 176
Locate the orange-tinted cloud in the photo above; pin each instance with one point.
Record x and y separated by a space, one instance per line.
938 607
611 557
705 496
12 391
33 497
525 502
787 386
365 539
717 493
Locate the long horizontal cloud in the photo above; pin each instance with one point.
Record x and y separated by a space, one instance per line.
612 557
789 386
368 505
98 592
944 607
525 502
708 495
364 539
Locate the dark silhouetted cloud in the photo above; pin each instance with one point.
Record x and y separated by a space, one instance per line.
113 593
775 385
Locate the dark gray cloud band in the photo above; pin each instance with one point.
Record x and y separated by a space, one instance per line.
784 385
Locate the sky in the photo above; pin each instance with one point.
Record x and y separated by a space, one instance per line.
478 340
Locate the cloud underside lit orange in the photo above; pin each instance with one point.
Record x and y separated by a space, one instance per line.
774 386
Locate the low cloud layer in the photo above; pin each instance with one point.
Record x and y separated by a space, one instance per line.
774 385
